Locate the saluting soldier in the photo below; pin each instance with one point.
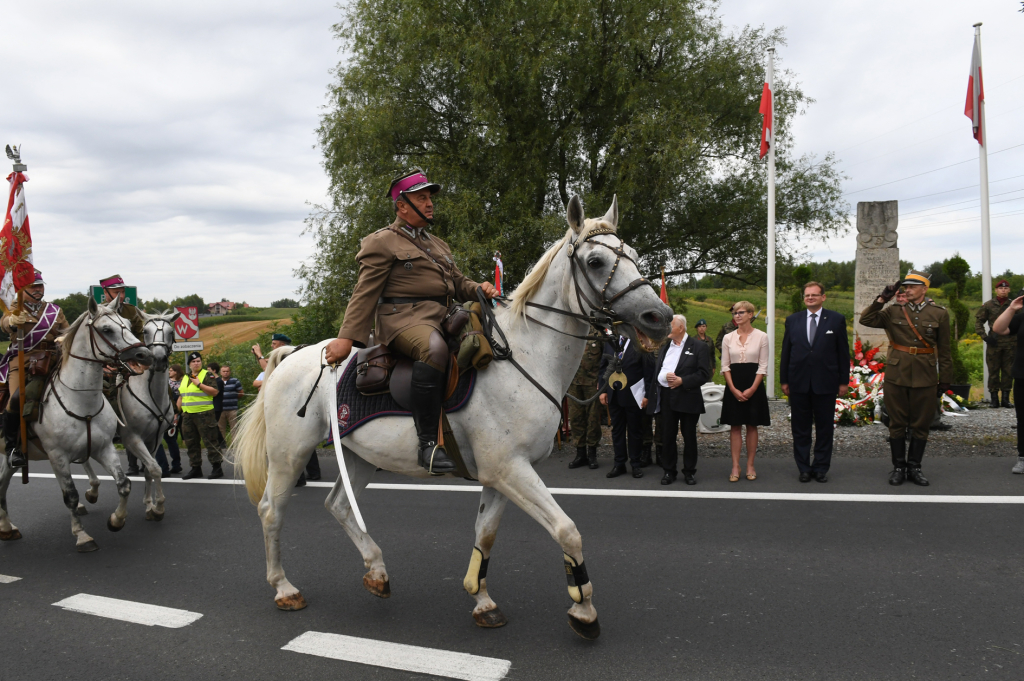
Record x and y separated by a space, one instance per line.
1001 349
43 323
586 419
919 337
407 279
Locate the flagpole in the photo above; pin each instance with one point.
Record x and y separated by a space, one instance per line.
986 240
770 319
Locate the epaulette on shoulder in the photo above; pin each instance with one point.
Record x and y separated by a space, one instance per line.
932 302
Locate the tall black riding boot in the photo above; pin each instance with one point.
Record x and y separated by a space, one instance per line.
12 438
581 458
427 397
898 447
914 457
995 399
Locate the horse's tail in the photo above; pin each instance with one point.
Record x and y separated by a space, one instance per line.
249 448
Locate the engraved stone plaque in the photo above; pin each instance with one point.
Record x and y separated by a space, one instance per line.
878 261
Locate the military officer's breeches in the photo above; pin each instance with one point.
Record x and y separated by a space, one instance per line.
201 425
585 420
423 344
912 408
999 358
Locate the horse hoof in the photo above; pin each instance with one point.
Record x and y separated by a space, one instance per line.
588 630
88 547
378 587
293 602
10 536
82 510
150 515
92 497
158 516
490 619
112 527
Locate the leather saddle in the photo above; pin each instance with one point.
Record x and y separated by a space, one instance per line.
378 371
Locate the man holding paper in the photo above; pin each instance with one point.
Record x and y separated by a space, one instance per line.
623 391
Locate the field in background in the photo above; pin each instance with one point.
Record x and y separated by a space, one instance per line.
251 315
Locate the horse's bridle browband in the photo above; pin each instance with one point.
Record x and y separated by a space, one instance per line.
107 359
601 316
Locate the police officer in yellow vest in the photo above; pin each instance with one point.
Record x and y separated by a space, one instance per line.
197 390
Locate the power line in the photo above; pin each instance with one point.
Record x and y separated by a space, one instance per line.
947 205
950 191
957 210
928 172
954 222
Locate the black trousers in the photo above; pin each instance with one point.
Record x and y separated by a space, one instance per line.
819 410
627 433
1018 404
671 422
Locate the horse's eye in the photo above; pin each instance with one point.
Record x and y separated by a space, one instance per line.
594 263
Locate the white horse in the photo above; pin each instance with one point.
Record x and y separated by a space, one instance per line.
507 426
147 412
75 422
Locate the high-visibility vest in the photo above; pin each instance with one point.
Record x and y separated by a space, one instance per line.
194 400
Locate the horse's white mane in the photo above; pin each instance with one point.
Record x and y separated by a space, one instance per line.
535 276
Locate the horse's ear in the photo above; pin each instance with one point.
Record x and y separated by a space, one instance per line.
612 216
574 214
92 306
174 317
115 304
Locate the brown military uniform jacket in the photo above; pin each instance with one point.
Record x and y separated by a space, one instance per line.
131 313
906 369
590 365
59 326
391 266
989 312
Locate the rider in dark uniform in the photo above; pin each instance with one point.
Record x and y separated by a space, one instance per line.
407 280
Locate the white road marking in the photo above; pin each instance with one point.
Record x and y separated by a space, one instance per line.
400 656
7 579
894 498
129 611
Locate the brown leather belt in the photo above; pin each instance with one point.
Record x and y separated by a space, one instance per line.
913 351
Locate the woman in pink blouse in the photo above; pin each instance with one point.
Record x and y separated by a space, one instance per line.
744 365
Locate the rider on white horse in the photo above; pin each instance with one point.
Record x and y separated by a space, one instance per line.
407 280
43 323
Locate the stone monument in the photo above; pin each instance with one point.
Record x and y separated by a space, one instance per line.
878 261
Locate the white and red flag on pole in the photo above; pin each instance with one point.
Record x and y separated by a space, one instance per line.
499 272
664 291
16 268
975 93
766 111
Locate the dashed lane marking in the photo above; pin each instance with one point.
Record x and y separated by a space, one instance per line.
893 498
7 579
129 611
400 656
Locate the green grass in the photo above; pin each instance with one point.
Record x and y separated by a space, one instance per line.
255 315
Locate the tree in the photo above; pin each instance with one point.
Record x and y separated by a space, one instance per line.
516 105
313 323
189 301
957 269
285 302
155 306
73 305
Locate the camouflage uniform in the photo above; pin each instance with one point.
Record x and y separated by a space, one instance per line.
726 328
586 420
202 425
711 348
998 354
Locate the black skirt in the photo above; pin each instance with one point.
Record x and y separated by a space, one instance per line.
753 412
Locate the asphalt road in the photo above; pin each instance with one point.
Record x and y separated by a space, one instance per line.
686 588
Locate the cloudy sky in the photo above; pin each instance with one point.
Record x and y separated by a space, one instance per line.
173 142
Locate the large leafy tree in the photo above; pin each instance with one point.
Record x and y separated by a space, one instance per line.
515 105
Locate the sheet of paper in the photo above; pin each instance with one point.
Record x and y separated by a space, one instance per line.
638 392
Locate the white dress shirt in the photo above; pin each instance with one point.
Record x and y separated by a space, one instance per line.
809 313
671 360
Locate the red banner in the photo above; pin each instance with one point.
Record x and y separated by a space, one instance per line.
16 269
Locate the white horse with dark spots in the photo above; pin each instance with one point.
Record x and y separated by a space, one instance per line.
507 426
76 423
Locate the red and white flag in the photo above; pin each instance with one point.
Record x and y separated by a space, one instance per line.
499 272
766 111
975 92
664 291
16 268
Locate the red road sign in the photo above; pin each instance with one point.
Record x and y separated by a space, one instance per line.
186 326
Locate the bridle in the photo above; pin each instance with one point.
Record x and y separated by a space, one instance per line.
104 359
158 341
601 316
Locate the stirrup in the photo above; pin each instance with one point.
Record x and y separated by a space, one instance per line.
429 463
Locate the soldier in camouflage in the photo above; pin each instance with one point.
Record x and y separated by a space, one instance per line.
585 420
1000 351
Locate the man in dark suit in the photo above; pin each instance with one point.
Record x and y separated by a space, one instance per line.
673 393
814 370
626 413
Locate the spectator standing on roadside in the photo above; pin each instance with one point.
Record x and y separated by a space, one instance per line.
744 365
1011 323
229 406
196 400
174 375
999 354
